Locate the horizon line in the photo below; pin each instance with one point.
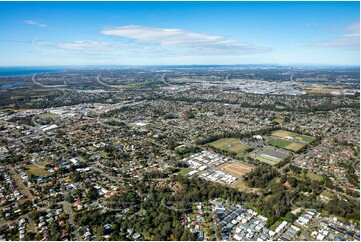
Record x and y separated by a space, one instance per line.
155 65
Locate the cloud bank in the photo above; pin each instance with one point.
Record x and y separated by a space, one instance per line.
349 40
35 23
183 40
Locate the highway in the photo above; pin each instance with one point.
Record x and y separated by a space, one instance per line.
102 83
292 78
163 80
42 85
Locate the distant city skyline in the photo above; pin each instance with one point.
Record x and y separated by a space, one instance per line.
179 33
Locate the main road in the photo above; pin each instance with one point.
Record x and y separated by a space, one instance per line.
42 85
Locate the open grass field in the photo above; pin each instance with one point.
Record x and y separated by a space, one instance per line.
314 176
275 225
284 133
294 146
49 115
241 185
237 169
278 120
281 143
286 144
103 154
268 159
320 90
185 171
37 169
90 147
230 144
326 194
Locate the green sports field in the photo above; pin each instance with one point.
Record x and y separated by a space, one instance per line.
230 144
284 133
286 144
281 143
268 159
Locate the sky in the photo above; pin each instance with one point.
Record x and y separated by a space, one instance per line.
179 33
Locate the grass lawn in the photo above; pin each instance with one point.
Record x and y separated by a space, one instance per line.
284 133
278 120
90 147
268 159
275 225
306 138
314 176
49 115
294 146
281 143
241 186
185 171
37 169
326 193
286 144
321 90
230 144
104 154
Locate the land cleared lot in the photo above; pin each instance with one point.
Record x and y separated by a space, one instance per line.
286 144
321 90
237 169
49 115
296 136
231 145
242 186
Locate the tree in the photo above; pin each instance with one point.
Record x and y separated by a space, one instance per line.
69 198
92 193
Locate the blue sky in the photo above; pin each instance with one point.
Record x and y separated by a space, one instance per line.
172 33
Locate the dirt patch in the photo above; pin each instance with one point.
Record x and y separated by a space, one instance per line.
237 169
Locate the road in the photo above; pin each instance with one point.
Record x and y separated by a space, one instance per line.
42 85
112 178
292 78
26 216
102 83
39 131
213 217
305 233
20 183
163 80
31 223
44 134
175 209
69 211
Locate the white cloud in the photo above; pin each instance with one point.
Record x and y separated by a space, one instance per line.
349 40
75 45
186 41
150 43
355 28
41 25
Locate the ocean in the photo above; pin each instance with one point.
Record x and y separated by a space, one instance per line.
21 71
